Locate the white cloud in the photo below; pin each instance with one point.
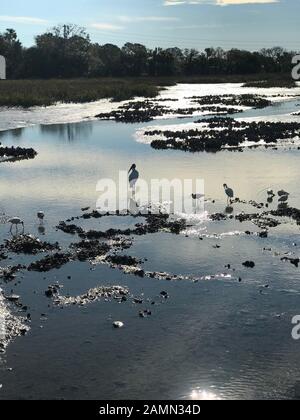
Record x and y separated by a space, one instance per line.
24 20
106 27
218 2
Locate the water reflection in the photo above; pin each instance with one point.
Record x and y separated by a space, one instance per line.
229 210
15 134
70 132
203 395
133 206
41 230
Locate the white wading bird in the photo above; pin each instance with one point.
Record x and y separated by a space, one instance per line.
15 221
133 176
229 192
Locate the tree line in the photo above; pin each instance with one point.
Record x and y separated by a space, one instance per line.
66 51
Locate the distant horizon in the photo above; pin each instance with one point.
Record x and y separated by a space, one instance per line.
244 24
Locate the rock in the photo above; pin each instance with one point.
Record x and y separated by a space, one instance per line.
145 313
249 264
118 324
17 153
12 298
294 261
50 262
28 244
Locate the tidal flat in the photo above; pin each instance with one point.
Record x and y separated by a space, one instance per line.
204 300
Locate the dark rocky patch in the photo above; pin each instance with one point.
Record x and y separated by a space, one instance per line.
9 273
249 264
217 217
50 262
3 256
27 244
70 229
86 249
294 261
289 212
135 112
233 134
252 101
123 260
16 153
145 111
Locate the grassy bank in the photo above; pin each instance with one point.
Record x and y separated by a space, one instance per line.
26 93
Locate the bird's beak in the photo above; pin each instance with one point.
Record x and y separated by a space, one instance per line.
131 169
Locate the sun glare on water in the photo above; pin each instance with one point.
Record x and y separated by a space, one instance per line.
202 395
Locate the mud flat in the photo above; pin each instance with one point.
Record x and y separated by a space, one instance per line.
118 293
145 112
217 134
28 244
11 326
251 101
16 153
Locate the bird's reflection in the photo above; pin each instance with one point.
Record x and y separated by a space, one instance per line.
133 206
282 206
41 229
228 210
198 206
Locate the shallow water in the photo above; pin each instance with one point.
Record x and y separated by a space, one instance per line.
220 336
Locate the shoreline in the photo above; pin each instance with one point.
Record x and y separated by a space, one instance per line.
13 118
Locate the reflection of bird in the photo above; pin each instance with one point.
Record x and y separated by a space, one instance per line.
41 229
133 206
198 202
283 199
283 193
229 210
41 216
228 191
133 176
15 221
197 196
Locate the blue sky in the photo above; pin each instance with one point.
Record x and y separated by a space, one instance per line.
248 24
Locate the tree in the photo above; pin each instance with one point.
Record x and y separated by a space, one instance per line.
134 59
64 51
105 60
11 49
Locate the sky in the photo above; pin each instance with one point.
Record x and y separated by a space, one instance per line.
245 24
